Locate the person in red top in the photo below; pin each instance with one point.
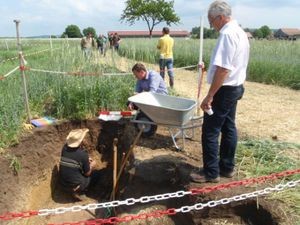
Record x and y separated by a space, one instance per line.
116 41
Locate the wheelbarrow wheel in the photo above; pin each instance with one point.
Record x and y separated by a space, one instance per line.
149 129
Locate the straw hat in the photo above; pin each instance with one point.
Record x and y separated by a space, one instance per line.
75 137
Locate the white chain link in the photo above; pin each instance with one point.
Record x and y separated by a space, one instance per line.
129 201
178 194
224 201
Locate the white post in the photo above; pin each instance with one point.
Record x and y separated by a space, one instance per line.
67 41
50 44
7 48
200 76
50 38
22 64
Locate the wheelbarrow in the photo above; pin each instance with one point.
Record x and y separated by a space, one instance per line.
175 113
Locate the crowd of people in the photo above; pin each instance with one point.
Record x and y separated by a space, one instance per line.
88 43
226 75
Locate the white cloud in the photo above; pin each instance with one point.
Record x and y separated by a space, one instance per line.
45 16
255 17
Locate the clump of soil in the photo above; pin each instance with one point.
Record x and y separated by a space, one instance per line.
156 167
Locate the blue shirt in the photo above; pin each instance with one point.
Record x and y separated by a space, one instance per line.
153 82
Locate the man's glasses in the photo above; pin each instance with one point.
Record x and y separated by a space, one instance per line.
212 21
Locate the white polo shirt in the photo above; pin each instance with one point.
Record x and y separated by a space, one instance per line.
232 53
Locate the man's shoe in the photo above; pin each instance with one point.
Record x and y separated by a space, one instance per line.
227 174
201 178
77 197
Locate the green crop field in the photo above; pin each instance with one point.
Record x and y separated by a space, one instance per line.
57 95
73 97
272 62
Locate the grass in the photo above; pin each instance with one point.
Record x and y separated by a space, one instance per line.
261 157
14 164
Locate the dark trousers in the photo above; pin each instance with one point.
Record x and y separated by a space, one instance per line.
222 121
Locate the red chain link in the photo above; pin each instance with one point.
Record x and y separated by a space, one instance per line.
114 220
244 182
10 216
194 191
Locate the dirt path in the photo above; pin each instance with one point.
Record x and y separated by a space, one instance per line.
265 112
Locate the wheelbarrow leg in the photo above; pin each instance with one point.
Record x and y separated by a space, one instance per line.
173 136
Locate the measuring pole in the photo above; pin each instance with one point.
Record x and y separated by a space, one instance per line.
22 64
200 76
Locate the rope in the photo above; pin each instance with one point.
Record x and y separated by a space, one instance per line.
29 54
9 73
91 73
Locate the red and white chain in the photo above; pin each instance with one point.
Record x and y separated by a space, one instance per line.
224 201
185 209
145 199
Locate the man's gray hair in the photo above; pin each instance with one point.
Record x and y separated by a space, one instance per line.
219 8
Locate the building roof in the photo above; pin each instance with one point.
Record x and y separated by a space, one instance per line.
129 33
290 31
249 35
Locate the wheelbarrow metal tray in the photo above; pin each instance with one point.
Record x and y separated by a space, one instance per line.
165 109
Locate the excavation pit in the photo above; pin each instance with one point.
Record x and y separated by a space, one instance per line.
154 169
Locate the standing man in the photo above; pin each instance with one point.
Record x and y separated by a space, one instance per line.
101 43
110 39
226 75
147 81
165 46
87 43
116 41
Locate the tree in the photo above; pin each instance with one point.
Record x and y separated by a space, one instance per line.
72 31
207 33
266 31
151 11
89 30
258 34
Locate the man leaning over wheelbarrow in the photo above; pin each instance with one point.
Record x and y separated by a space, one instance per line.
147 80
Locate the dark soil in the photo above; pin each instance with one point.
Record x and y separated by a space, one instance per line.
155 167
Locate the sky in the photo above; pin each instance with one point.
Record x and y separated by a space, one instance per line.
45 17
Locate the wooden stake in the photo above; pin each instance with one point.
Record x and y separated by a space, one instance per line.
126 158
115 167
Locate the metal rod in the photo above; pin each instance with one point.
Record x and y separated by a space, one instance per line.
22 64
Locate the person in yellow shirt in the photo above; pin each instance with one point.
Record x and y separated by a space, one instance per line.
165 46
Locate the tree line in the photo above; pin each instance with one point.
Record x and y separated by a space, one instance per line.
262 32
154 12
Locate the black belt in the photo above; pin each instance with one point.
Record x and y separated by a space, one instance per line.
227 87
